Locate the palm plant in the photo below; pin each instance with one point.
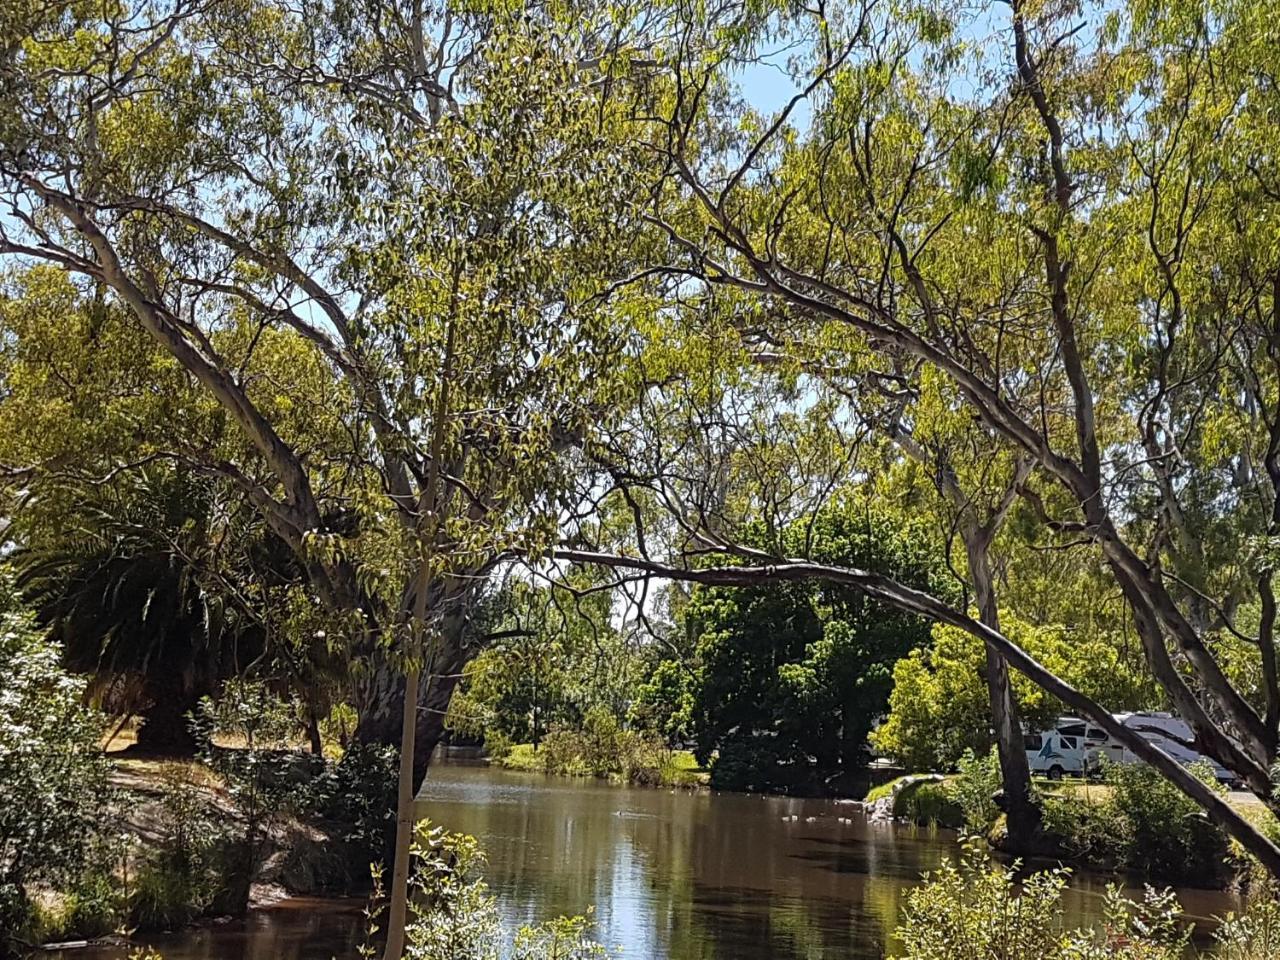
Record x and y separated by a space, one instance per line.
129 584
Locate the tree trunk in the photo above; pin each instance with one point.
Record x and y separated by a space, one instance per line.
1022 813
380 698
165 730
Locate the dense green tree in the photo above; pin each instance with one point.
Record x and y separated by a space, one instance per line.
789 679
939 707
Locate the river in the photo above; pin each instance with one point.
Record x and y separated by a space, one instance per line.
671 875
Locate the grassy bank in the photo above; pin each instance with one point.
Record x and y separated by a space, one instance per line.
674 768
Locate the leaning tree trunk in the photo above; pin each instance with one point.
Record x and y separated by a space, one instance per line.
1022 813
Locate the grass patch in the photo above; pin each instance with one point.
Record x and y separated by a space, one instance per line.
680 769
885 789
928 802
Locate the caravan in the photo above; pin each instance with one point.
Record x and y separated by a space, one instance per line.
1066 749
1076 748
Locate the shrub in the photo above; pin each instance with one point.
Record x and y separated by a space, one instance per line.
181 879
54 776
974 908
1254 934
928 802
1161 832
974 790
453 916
359 792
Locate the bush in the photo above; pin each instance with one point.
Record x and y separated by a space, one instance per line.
53 772
1145 824
1255 934
359 792
602 748
974 790
974 908
928 802
453 916
1163 833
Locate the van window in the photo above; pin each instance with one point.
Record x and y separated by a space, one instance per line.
1066 743
1033 741
1097 733
1073 730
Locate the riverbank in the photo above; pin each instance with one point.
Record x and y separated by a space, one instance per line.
674 768
1134 824
181 844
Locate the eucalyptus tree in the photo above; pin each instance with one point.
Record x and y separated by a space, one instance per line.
1047 223
426 196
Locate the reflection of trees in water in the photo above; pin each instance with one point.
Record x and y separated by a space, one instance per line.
695 877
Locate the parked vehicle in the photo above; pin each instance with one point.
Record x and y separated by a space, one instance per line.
1171 734
1073 747
1065 749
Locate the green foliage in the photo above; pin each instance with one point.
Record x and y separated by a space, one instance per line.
603 748
356 795
939 706
557 659
787 678
455 918
126 586
973 790
260 773
1144 824
1253 934
975 908
928 803
54 776
1162 832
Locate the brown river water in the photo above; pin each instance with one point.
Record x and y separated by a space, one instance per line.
672 876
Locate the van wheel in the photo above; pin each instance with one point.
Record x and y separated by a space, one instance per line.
1056 772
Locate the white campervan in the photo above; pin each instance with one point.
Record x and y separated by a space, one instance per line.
1066 749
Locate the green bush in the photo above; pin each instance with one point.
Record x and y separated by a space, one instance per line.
358 792
52 771
974 908
602 748
1254 934
1144 824
928 802
1164 834
974 790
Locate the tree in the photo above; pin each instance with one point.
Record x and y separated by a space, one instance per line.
422 197
551 655
789 678
1001 236
126 596
939 707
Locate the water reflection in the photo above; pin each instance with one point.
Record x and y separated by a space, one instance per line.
673 876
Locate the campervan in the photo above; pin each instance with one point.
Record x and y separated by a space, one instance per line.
1065 749
1074 747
